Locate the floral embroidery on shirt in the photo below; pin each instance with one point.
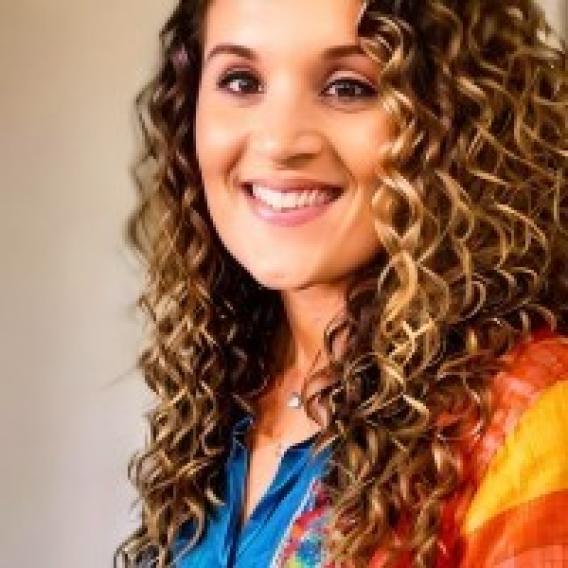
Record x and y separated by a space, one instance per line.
302 547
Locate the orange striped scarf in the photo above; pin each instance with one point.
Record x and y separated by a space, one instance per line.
513 509
518 515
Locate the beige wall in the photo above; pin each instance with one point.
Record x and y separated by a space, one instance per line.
69 71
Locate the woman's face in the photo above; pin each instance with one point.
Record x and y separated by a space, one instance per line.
295 116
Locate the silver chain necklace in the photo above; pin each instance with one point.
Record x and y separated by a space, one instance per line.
296 402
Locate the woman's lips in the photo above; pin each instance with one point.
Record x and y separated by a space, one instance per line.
286 217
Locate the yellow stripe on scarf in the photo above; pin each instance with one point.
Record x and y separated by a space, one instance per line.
533 460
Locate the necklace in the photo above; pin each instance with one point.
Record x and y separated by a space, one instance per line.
294 401
295 398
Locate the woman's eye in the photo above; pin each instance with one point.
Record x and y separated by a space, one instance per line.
344 88
235 77
353 89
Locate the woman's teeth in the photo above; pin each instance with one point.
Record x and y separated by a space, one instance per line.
292 199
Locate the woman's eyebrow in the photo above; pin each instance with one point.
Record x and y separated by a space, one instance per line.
333 52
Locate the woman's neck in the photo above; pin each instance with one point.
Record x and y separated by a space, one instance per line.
308 312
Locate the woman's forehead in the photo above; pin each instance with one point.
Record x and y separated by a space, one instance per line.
294 23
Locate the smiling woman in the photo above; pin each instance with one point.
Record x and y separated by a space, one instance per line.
356 236
287 134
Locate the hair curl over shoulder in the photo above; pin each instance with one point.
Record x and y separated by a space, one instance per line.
475 257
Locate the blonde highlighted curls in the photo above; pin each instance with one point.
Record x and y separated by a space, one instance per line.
475 257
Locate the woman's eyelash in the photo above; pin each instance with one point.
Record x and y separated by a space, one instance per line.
365 90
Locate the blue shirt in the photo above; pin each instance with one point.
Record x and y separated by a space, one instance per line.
256 545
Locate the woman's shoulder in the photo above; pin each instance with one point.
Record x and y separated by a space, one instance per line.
534 377
522 461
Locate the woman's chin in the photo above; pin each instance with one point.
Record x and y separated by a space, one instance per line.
283 279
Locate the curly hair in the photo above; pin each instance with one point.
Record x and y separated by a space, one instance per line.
475 257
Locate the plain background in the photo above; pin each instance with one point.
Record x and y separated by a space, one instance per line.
71 404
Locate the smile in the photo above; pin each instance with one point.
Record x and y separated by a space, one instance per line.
289 207
283 200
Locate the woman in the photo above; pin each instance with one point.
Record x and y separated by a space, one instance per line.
357 253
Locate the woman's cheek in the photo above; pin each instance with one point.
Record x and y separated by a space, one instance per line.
216 144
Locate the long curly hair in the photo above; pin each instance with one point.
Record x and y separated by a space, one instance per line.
475 257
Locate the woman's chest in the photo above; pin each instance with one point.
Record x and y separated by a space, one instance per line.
271 511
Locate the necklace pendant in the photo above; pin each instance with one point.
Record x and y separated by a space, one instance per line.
295 401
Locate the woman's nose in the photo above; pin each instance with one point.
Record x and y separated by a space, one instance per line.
286 127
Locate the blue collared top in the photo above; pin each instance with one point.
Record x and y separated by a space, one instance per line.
255 545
